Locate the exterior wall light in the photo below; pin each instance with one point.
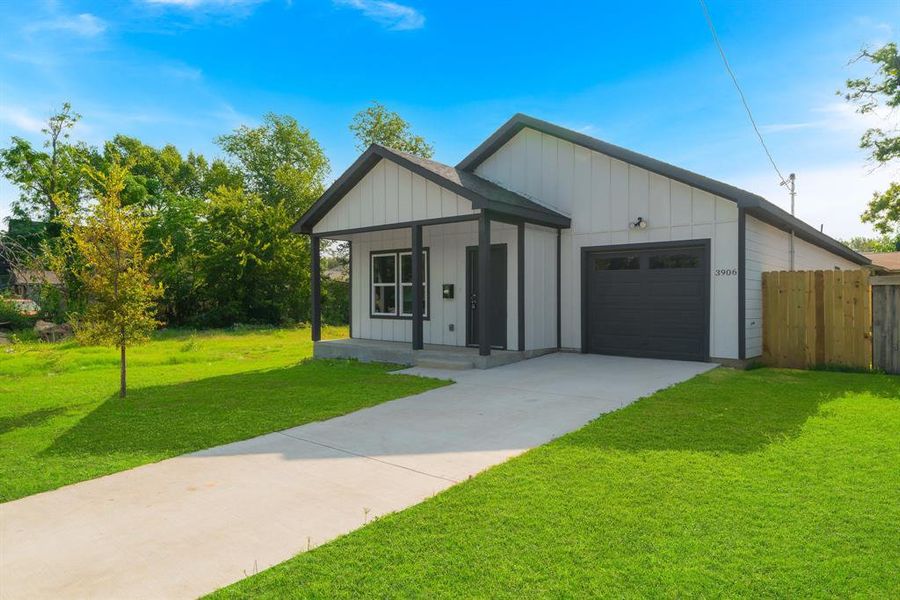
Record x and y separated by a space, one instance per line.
639 224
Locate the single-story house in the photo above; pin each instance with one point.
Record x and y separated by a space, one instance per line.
546 239
28 283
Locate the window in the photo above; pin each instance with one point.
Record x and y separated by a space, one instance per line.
384 284
675 261
392 284
406 284
618 263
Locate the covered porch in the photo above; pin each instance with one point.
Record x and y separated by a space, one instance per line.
444 266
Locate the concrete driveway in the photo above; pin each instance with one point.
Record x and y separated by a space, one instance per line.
189 525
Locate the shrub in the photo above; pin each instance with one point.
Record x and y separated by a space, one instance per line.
10 313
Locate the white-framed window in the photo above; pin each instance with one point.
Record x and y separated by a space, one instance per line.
391 283
384 284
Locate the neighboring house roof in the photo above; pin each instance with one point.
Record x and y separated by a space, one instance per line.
753 204
33 277
884 261
339 273
482 193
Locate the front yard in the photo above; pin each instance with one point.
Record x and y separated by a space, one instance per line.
765 483
61 420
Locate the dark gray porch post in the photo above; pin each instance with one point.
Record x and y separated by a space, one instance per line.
416 261
520 283
484 284
315 289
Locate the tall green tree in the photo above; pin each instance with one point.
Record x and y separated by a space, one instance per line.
113 269
254 269
279 161
880 90
378 125
883 243
51 179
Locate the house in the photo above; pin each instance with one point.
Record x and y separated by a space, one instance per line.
27 283
884 263
546 239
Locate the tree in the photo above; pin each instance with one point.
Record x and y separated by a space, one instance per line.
377 125
254 269
869 93
884 243
112 269
47 180
280 162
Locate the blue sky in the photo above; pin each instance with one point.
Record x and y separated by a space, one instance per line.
640 75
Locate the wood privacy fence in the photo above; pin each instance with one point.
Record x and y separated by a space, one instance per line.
886 323
815 318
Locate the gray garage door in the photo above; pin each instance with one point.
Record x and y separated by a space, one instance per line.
647 300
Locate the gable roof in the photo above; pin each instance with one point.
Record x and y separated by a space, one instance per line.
753 204
482 193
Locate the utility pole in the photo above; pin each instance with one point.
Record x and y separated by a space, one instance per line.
791 184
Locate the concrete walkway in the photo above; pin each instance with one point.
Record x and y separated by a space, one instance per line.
189 525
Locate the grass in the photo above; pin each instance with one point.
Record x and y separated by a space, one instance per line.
767 483
61 420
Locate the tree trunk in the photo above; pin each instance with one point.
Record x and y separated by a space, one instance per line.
122 373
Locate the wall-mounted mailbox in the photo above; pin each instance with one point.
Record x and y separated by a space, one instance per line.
448 291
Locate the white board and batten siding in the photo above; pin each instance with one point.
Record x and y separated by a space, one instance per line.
446 246
389 193
603 195
540 287
769 249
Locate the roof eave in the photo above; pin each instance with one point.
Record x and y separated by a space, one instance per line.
755 205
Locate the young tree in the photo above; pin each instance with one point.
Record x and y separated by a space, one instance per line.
280 162
378 125
869 93
112 269
47 180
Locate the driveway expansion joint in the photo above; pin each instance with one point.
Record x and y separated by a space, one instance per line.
367 457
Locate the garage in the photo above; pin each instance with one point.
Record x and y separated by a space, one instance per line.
647 300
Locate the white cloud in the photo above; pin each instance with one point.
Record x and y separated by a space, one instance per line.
20 119
183 72
205 4
393 16
832 196
840 117
84 24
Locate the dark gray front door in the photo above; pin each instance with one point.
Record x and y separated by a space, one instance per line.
647 300
497 317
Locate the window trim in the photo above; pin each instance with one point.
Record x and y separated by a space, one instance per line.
374 285
398 285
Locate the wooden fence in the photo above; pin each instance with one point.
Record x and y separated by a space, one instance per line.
886 323
817 318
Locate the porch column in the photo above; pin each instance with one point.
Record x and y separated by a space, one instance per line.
520 283
315 289
484 284
416 259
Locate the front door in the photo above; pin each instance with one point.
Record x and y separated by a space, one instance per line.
497 318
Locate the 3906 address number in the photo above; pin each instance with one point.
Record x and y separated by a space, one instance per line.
726 272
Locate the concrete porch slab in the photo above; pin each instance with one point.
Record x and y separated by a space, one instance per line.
432 355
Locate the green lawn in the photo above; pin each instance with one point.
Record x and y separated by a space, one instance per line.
61 420
764 483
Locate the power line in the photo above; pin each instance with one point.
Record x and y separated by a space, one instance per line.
737 86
